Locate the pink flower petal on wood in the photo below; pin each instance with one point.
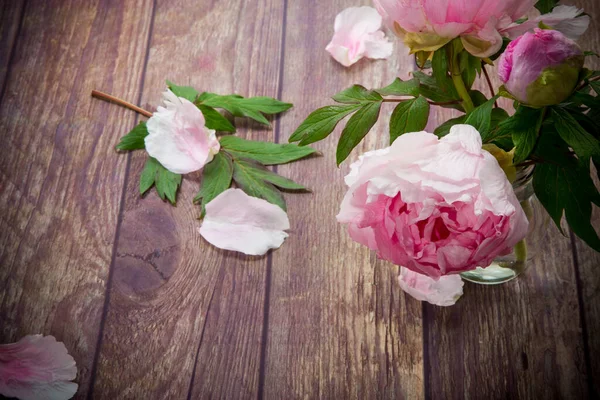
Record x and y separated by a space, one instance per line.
37 367
238 222
442 292
178 138
358 35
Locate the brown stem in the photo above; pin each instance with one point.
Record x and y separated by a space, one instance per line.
433 103
105 96
584 84
489 82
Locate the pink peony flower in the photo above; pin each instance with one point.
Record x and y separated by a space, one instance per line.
427 25
444 291
238 222
436 207
358 34
37 367
178 138
541 68
568 20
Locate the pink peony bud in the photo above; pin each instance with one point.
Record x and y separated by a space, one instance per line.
541 68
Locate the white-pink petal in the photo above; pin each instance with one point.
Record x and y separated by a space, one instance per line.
238 222
178 138
37 367
358 34
565 19
442 292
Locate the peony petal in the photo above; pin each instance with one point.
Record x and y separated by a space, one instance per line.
238 222
565 19
178 138
357 35
442 292
37 367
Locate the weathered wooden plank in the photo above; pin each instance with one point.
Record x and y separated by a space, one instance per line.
11 16
179 308
587 260
60 180
522 339
339 327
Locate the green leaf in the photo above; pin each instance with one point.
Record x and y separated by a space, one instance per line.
444 128
245 107
320 123
588 53
546 6
470 67
260 171
216 178
186 92
247 180
523 128
166 182
409 116
356 95
264 152
134 140
401 88
569 190
439 64
428 88
481 117
215 120
357 127
596 86
582 142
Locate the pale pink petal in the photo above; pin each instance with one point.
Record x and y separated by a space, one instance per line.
357 35
565 19
178 138
444 291
37 367
238 222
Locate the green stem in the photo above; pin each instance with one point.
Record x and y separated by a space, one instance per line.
459 84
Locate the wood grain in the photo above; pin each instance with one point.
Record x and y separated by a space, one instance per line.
180 310
522 339
588 260
60 180
11 16
338 327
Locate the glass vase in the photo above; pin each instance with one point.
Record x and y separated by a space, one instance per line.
508 267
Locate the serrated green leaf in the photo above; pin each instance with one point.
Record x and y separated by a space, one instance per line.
264 152
583 143
357 94
245 107
444 128
256 186
481 117
215 120
357 127
166 182
546 6
134 140
320 123
148 175
186 92
260 171
409 116
401 88
216 178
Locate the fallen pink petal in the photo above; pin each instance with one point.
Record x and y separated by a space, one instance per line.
37 367
358 34
178 138
444 291
238 222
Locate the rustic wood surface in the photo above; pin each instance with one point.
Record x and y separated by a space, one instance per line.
150 311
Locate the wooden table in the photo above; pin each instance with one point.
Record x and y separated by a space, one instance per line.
150 311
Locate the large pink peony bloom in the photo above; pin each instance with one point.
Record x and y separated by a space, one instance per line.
178 138
37 367
436 207
541 68
430 24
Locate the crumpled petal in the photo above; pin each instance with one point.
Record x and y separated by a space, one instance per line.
178 138
37 367
238 222
442 292
357 35
564 19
